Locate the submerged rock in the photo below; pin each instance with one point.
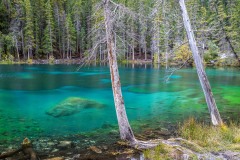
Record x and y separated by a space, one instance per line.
72 106
95 149
56 158
65 144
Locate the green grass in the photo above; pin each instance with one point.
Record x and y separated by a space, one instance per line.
198 137
210 137
161 152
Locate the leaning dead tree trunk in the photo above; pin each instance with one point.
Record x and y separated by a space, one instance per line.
212 107
126 132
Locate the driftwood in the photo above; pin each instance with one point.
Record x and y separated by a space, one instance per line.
26 149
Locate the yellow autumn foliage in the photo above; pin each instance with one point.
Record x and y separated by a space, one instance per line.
182 54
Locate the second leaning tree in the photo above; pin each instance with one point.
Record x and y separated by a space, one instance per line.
212 107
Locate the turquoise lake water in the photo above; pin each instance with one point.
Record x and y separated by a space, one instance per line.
28 91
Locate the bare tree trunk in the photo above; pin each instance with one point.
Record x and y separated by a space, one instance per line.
16 45
155 43
51 41
23 46
63 45
58 26
158 42
165 37
124 126
28 56
0 51
133 52
145 52
68 48
100 52
212 107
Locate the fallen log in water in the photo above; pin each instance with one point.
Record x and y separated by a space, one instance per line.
26 149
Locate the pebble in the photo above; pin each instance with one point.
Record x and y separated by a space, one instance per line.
56 158
65 144
55 150
95 149
50 143
76 156
105 147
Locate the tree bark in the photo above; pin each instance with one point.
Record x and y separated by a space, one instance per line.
23 46
212 107
16 45
124 126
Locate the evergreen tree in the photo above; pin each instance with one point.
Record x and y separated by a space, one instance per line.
38 8
4 18
28 29
77 9
1 45
44 27
70 37
49 34
234 29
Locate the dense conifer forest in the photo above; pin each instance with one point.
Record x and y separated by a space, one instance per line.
143 29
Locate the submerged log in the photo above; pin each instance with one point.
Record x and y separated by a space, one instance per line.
26 149
10 153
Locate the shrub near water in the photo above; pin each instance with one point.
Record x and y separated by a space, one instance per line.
183 54
211 137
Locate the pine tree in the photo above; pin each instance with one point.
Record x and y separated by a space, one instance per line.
70 36
49 34
234 29
4 18
1 45
28 29
77 23
38 8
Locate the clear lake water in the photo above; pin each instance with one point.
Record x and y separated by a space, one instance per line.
28 91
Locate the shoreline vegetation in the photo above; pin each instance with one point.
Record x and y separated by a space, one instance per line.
198 141
227 62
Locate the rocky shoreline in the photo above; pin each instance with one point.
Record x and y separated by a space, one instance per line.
76 149
96 145
177 148
100 145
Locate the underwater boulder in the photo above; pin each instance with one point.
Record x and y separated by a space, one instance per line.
73 105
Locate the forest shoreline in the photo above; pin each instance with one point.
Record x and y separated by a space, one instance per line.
71 61
92 62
